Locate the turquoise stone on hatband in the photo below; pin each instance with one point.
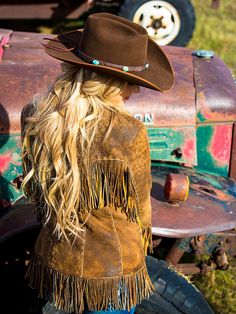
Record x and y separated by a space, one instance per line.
95 62
125 69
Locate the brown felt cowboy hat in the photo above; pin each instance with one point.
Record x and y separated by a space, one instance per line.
113 45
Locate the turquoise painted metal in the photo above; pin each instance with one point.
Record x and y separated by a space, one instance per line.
10 169
164 142
213 148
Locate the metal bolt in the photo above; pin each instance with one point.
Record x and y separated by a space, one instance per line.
177 152
205 54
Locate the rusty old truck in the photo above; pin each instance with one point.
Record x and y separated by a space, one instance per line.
166 21
192 135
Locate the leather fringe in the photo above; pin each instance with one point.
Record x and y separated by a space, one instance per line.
147 239
109 183
71 293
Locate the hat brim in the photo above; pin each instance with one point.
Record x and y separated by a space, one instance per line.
159 76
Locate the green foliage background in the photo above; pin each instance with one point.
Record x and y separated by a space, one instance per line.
216 30
219 288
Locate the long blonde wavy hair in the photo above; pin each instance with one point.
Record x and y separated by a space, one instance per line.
67 116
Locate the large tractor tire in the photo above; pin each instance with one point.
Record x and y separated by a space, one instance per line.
174 294
168 22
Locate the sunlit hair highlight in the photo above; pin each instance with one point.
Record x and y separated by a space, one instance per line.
64 119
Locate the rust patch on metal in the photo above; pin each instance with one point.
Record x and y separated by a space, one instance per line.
212 192
215 90
176 188
208 208
25 71
174 255
175 107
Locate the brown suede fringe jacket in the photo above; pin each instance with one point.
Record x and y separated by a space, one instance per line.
106 265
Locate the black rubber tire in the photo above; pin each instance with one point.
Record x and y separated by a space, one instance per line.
173 293
184 8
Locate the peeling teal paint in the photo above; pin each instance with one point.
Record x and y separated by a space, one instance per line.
200 117
163 141
206 161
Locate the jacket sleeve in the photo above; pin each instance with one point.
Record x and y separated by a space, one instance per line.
141 169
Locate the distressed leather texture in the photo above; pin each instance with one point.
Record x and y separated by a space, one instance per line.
106 263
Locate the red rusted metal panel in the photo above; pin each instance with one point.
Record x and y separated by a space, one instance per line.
210 206
19 89
175 107
215 94
27 40
25 71
28 70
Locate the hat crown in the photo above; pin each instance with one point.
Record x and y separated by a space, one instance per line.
115 40
114 46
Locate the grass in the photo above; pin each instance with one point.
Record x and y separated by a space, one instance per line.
215 30
219 288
